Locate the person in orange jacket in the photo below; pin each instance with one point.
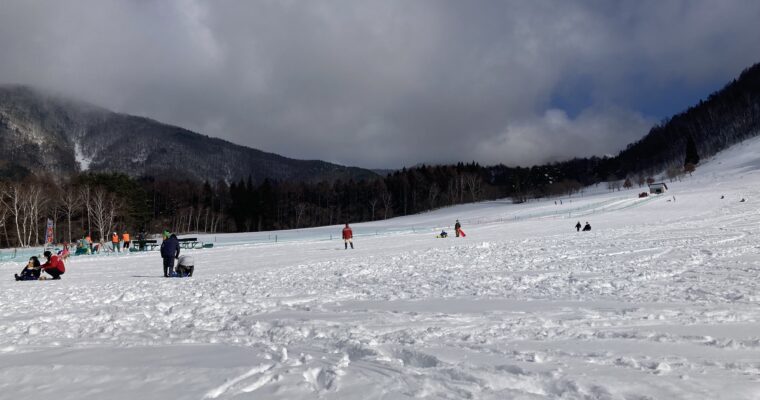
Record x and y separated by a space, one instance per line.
348 234
115 242
125 238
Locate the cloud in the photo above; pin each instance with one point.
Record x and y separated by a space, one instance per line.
554 135
387 83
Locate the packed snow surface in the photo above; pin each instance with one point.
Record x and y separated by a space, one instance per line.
658 301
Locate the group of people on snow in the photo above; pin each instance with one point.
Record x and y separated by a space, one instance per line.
586 227
457 231
85 245
116 241
53 266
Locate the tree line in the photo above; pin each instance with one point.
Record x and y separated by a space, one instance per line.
97 204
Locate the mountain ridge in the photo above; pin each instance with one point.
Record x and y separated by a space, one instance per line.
46 132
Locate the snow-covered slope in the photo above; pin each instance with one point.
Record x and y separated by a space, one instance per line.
658 301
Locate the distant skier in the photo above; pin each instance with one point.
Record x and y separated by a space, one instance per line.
54 265
587 227
185 266
169 252
348 234
578 226
31 271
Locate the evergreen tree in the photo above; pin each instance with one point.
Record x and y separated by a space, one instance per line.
692 157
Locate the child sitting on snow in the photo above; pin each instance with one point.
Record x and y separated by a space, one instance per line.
31 271
443 234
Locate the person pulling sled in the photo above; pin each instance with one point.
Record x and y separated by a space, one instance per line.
458 229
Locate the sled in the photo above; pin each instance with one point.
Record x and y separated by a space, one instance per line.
461 233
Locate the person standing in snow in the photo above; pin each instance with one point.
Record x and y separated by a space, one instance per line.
54 265
126 239
169 252
348 234
141 240
115 242
457 227
578 226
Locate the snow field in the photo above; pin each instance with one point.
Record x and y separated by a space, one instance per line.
658 301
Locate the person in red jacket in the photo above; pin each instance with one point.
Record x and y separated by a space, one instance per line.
348 234
54 265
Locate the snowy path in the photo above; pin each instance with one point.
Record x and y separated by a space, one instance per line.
659 301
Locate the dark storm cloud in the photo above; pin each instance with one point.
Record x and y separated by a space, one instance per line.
388 83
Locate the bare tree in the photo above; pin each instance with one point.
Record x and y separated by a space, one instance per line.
433 193
300 210
674 172
627 184
640 180
86 197
36 201
11 197
474 184
25 203
452 191
70 199
372 205
105 208
387 202
15 198
189 220
3 216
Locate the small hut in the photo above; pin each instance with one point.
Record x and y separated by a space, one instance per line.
658 188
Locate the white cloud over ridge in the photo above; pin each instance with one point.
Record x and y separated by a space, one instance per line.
385 83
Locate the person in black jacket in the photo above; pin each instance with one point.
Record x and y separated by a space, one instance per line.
169 252
31 271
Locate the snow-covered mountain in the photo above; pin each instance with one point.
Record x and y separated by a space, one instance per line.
42 132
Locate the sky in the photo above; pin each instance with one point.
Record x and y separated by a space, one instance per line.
389 83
